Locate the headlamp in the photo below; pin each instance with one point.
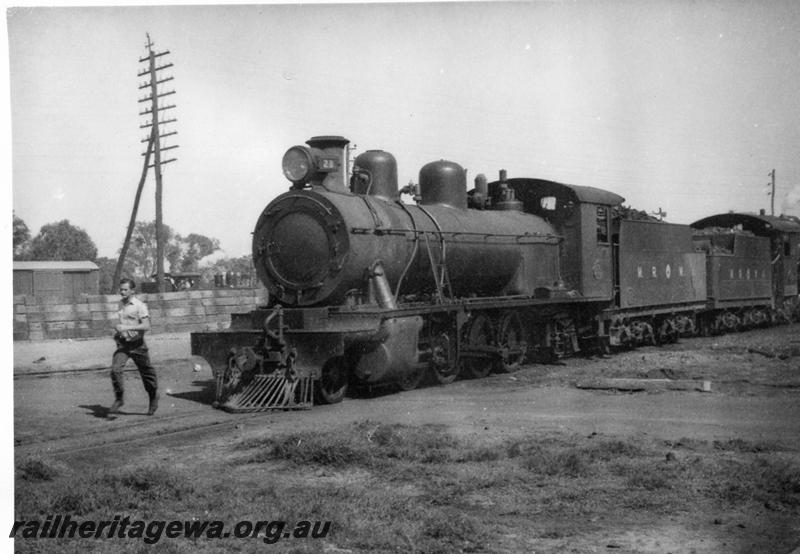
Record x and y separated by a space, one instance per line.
298 164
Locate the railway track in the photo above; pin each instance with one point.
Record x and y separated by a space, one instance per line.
44 373
67 435
153 429
42 431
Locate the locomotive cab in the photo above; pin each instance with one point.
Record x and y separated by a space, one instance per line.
582 216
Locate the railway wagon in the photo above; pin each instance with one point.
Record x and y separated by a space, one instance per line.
739 278
659 282
752 262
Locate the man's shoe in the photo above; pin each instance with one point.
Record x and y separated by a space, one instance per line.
114 409
153 404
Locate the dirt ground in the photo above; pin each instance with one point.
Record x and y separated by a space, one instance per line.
754 400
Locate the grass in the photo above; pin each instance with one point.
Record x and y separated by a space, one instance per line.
73 492
392 488
759 479
37 469
365 445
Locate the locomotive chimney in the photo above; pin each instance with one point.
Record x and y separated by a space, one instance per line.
331 154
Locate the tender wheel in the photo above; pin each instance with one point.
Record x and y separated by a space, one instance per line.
667 332
624 335
510 339
412 378
562 332
643 333
444 358
717 325
332 386
480 333
685 326
627 338
731 322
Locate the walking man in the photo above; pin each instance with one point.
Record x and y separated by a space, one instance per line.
134 321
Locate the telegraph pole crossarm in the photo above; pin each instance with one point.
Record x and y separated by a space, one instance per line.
145 85
150 123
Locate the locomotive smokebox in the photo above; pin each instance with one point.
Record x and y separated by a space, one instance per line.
299 244
443 183
375 174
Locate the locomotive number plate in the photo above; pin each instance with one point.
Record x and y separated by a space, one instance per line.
327 164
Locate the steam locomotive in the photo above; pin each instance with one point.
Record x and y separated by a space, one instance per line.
365 289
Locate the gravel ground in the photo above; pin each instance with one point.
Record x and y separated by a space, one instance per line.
750 417
70 355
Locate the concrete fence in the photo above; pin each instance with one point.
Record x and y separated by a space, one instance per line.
41 318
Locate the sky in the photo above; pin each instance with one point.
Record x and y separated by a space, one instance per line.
678 105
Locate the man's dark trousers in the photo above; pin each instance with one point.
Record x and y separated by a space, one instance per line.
136 351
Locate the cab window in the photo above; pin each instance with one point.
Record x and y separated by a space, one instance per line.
602 224
548 203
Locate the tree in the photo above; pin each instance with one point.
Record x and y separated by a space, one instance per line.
182 254
22 239
141 258
107 268
196 247
62 241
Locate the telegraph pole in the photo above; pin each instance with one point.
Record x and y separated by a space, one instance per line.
132 223
156 136
154 148
772 193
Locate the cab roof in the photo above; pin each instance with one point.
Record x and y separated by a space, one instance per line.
576 193
756 223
